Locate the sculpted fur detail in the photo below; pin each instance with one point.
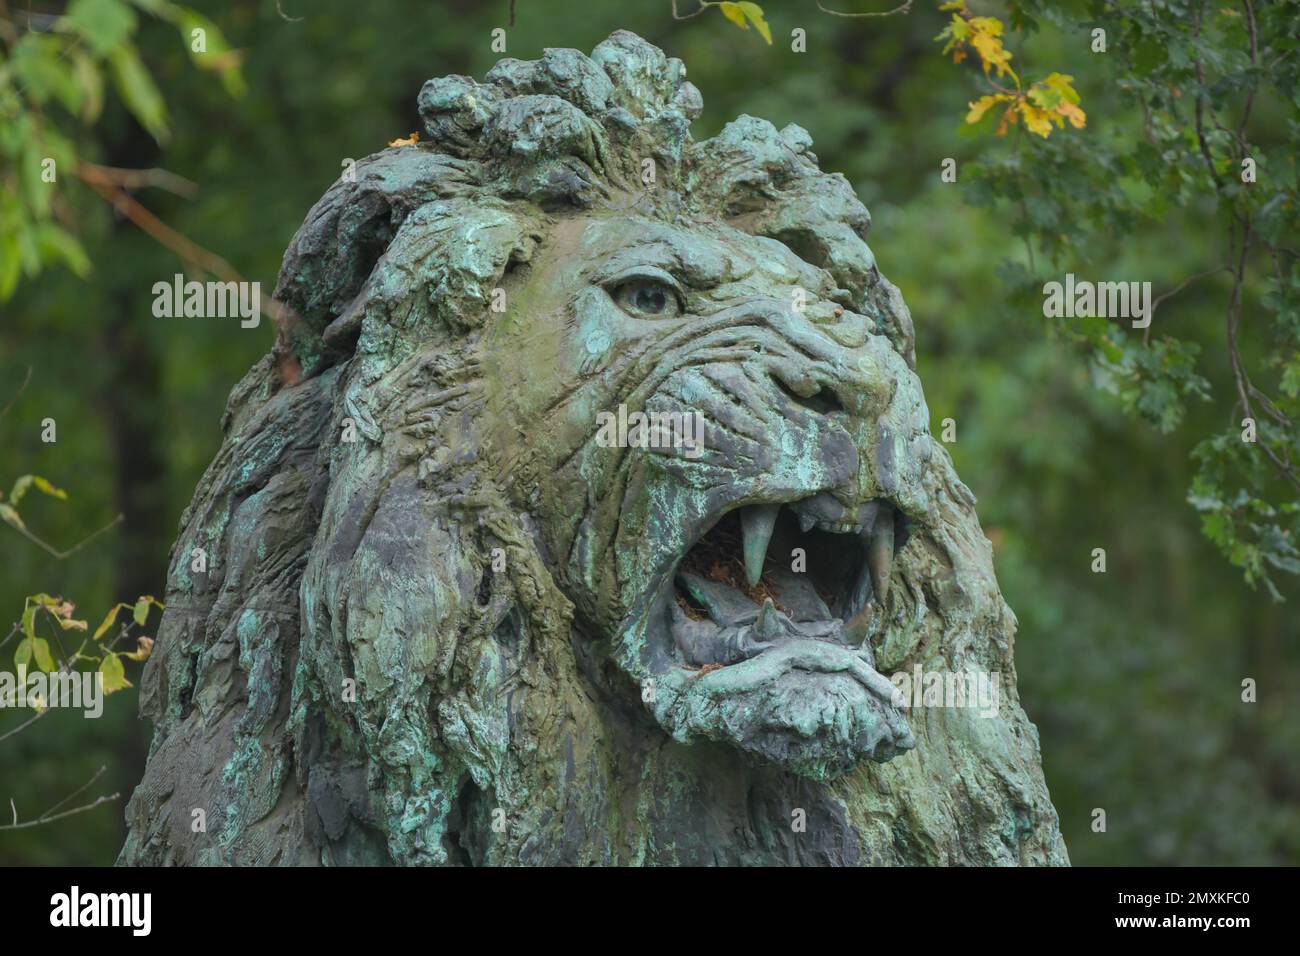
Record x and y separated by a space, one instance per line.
444 621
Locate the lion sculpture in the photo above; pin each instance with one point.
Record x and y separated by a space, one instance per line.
424 610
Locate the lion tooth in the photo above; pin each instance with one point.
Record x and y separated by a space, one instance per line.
860 596
855 628
880 551
756 525
767 625
867 515
806 523
692 637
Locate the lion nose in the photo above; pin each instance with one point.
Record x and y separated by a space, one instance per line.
858 386
808 390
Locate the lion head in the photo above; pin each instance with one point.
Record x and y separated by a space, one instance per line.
607 465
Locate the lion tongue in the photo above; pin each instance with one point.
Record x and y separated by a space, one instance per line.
725 605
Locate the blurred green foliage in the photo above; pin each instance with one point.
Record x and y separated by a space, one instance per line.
1074 436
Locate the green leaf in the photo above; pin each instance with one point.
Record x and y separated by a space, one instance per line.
141 612
23 653
1290 383
102 24
10 268
20 488
138 91
44 659
37 64
217 56
91 80
56 245
114 674
1062 85
38 193
10 516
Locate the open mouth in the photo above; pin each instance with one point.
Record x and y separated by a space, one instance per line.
768 574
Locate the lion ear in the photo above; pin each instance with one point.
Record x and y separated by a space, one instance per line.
402 599
394 577
350 227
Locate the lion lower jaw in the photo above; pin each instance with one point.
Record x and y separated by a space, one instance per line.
811 707
805 654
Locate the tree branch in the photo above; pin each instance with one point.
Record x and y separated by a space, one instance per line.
1146 333
905 7
24 725
703 6
55 552
1245 388
49 816
18 394
184 247
134 178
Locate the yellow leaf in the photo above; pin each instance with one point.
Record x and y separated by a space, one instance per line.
114 674
744 13
109 618
989 25
732 12
1036 120
755 14
44 659
1008 117
49 489
1078 119
143 648
60 610
28 481
991 52
409 141
982 106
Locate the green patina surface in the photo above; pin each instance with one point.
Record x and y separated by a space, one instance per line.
432 645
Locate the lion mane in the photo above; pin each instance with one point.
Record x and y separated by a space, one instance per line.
368 655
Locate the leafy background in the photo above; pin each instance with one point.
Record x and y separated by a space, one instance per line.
1132 676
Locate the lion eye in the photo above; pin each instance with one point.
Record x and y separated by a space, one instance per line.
648 297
